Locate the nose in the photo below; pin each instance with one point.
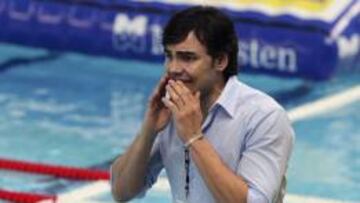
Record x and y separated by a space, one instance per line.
173 67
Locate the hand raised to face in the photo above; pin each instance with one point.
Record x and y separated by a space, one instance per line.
185 108
157 114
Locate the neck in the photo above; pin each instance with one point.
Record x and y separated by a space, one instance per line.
209 98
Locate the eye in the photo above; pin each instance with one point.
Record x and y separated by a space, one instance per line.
187 58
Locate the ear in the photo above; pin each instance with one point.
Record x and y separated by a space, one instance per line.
221 62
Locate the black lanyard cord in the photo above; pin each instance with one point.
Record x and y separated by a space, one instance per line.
187 171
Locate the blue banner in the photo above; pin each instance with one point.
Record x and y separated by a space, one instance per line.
282 45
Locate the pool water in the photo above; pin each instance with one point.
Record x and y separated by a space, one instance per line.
69 109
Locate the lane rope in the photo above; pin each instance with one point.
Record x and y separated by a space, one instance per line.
72 173
24 197
66 172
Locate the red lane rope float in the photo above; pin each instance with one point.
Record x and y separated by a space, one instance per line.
22 197
53 170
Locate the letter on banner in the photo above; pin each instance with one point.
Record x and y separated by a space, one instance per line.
81 17
156 36
130 34
50 13
21 11
348 46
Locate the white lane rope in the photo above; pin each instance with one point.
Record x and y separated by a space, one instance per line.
326 104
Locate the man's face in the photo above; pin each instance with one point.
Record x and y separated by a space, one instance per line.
189 62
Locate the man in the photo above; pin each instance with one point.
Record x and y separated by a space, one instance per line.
218 139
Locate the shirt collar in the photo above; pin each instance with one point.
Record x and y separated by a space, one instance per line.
227 99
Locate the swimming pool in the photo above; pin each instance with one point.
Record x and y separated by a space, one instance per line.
76 110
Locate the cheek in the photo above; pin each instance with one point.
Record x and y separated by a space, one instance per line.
194 70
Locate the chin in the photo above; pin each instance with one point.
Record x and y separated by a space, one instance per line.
191 87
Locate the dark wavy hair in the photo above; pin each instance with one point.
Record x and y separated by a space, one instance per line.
212 28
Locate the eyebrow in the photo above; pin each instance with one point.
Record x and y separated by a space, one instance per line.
186 53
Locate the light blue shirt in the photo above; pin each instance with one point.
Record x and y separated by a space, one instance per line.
252 135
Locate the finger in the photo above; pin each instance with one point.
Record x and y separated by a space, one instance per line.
160 88
183 87
174 96
178 90
185 92
170 105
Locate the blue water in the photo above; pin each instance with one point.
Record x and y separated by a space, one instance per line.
83 111
326 158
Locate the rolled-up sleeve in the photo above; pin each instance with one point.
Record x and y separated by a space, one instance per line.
269 142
